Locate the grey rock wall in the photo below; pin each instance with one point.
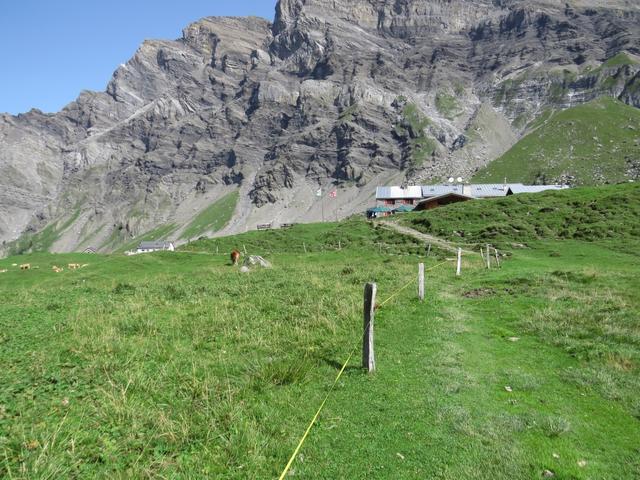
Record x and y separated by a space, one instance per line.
335 94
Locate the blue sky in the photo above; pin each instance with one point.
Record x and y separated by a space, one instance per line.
51 50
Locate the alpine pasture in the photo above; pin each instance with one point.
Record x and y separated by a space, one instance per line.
176 365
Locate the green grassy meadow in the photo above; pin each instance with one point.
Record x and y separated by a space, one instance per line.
607 214
590 144
179 366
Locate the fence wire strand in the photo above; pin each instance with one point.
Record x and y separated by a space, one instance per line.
344 366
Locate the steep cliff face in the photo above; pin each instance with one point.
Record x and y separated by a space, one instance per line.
333 94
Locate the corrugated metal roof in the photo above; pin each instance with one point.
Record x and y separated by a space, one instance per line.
450 194
154 245
393 193
488 190
535 188
478 191
429 191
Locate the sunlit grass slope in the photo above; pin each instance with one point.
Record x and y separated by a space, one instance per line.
180 366
608 213
594 143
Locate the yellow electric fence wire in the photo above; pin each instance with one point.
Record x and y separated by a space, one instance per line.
408 285
315 417
344 366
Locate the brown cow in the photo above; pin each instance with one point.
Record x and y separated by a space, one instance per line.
235 257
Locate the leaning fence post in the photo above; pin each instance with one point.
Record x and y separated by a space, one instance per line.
488 257
459 267
429 251
421 282
368 355
245 249
497 257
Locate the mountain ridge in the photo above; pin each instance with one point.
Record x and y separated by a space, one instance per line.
332 94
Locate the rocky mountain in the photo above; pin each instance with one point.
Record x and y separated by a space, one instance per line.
334 94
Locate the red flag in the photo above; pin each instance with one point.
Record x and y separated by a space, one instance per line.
334 194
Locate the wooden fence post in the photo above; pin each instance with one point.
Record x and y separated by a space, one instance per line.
429 251
488 257
459 267
305 247
339 245
368 355
497 257
245 249
421 282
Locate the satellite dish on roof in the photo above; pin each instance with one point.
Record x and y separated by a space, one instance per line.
451 180
459 179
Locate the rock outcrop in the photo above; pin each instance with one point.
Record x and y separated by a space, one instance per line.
332 94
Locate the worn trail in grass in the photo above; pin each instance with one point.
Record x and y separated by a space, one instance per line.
178 366
466 388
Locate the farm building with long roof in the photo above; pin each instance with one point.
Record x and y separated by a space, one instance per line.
391 196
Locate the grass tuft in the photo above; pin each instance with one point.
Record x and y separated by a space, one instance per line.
554 427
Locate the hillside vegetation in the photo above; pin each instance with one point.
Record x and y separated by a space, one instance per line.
608 213
177 365
594 143
353 234
214 217
43 240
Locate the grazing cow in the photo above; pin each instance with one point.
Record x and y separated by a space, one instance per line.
3 271
58 269
26 266
235 257
73 266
